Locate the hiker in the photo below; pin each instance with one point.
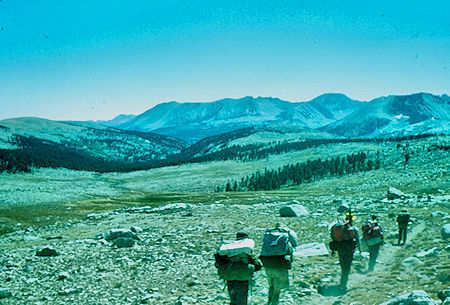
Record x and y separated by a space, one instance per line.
236 264
345 241
373 237
277 257
403 221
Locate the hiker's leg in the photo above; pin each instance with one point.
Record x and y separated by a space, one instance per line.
346 263
400 233
241 292
404 235
271 290
231 285
276 296
373 251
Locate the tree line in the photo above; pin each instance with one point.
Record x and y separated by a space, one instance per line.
295 174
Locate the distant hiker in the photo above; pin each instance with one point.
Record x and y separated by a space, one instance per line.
236 263
373 237
403 221
345 240
277 256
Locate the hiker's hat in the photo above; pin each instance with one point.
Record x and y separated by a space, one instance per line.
350 215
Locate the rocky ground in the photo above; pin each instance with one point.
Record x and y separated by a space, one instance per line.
175 235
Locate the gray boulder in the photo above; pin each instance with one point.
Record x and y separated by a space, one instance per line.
411 262
124 242
445 231
416 297
430 253
47 251
293 210
116 233
394 193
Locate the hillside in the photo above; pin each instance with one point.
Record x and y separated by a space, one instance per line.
78 145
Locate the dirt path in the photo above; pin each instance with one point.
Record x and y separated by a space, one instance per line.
387 258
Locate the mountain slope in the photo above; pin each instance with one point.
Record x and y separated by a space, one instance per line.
51 143
396 116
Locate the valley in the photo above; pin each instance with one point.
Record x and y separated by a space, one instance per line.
72 211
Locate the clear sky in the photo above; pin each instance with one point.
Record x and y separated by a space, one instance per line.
89 60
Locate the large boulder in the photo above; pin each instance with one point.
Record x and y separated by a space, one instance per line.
124 242
416 297
293 210
311 249
445 231
394 193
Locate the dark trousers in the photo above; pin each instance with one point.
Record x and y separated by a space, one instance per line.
238 291
345 260
373 255
402 235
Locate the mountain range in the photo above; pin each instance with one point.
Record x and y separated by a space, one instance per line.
175 133
334 113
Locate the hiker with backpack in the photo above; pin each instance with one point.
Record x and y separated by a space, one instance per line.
345 240
373 237
403 220
277 257
236 263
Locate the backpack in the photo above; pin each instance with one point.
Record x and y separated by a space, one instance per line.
341 231
235 268
232 260
403 219
278 242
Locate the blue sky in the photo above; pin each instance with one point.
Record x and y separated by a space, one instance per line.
89 60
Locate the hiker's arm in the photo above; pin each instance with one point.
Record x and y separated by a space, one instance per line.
255 262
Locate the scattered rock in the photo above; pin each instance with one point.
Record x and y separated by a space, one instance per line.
54 237
445 231
416 297
311 249
5 292
63 275
343 208
394 193
68 291
293 210
124 242
47 251
411 262
167 209
136 229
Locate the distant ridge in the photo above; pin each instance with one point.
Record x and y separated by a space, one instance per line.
194 121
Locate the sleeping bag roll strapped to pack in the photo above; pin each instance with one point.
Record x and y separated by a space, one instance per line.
245 246
232 260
